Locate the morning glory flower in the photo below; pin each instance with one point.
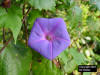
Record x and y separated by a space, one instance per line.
49 37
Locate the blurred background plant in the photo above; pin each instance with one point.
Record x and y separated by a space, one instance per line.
82 19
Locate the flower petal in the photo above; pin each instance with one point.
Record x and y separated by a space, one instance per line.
61 31
48 25
43 47
54 23
59 46
36 33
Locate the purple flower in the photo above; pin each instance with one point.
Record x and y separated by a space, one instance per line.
49 37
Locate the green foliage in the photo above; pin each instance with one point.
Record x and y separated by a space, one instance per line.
75 16
68 59
32 17
11 19
95 3
42 66
93 24
80 57
66 62
86 73
43 4
15 60
82 18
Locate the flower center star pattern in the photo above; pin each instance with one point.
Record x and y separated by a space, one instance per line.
49 37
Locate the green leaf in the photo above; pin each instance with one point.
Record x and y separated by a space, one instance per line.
70 66
64 56
11 19
42 66
32 17
15 60
97 57
78 57
67 61
70 58
43 4
93 25
0 67
75 16
86 73
2 11
95 2
2 16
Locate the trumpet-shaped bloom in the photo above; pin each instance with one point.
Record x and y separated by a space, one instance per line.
49 37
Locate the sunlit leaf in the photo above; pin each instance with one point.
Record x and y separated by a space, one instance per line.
66 61
78 57
43 4
95 2
86 73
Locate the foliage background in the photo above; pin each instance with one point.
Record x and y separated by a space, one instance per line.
82 18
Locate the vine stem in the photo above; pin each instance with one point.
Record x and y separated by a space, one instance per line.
57 63
5 45
4 40
25 15
24 22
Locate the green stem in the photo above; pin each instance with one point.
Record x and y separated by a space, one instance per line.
24 22
4 40
5 44
25 27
